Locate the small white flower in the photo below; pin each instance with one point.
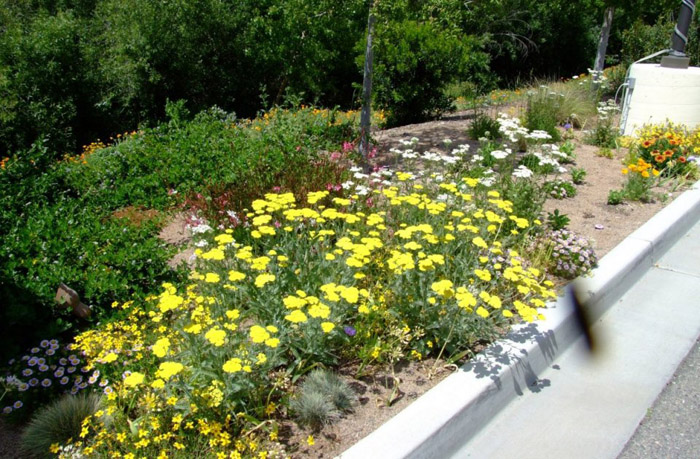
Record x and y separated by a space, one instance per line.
201 228
522 172
362 190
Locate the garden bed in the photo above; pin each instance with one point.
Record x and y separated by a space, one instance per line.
385 381
590 216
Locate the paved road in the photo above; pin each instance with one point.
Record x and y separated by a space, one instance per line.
671 428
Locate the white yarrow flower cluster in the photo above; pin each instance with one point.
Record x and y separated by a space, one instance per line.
461 150
539 135
522 172
501 154
606 109
511 127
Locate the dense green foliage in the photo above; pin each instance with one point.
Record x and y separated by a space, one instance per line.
417 62
91 221
76 70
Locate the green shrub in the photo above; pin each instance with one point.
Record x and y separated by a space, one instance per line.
58 422
414 63
91 221
557 221
578 175
543 113
483 126
616 197
560 189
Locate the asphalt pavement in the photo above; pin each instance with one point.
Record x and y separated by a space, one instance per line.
671 427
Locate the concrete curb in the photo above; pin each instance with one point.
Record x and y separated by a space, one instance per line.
451 413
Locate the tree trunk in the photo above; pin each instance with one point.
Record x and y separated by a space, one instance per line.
603 41
365 116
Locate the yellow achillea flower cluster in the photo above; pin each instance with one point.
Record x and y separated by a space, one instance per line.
364 271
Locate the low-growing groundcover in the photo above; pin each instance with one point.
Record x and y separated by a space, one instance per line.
426 261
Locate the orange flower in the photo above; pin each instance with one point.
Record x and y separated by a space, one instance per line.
681 159
659 158
647 143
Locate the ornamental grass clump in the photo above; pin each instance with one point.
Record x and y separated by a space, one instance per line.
390 265
59 422
323 397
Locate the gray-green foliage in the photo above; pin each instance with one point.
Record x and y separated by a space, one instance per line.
58 422
324 396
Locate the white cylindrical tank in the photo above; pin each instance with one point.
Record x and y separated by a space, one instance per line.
659 94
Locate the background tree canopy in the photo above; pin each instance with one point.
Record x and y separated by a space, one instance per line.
72 71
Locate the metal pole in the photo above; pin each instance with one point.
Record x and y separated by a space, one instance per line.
676 57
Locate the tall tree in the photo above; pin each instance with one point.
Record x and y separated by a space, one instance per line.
604 37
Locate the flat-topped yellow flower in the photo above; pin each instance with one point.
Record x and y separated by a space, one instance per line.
483 274
214 254
443 287
258 334
167 370
160 348
224 239
479 242
233 365
296 317
134 379
263 279
319 310
216 336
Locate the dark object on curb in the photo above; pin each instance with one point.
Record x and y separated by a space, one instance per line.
583 317
67 297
